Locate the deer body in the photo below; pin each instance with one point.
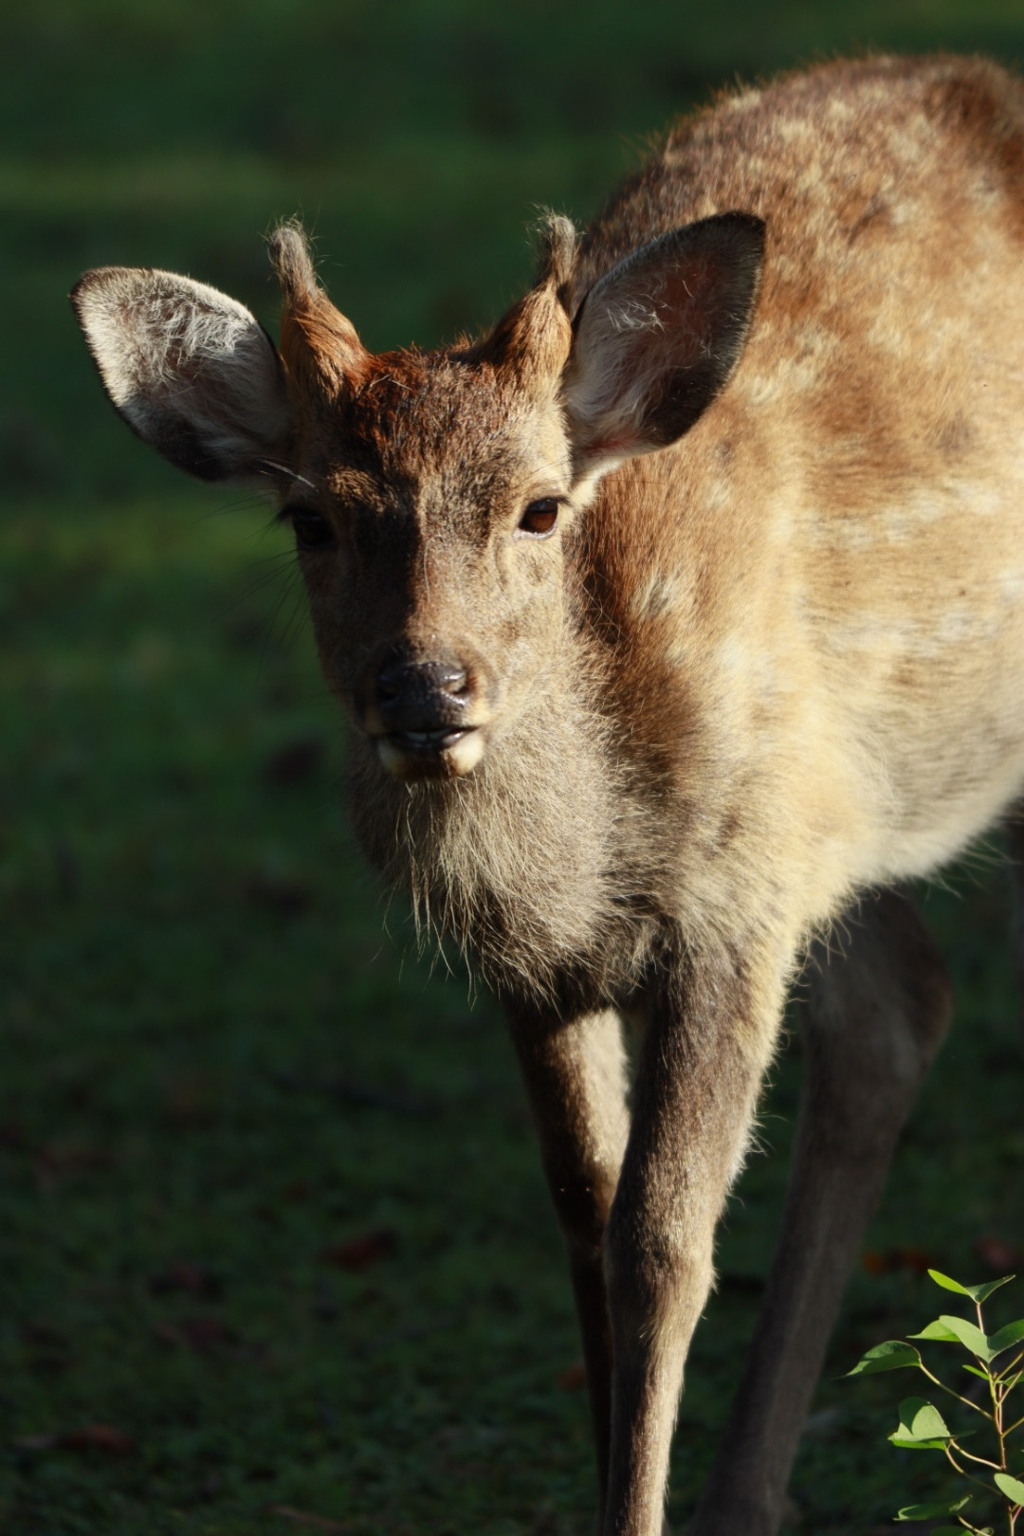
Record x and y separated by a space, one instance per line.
674 616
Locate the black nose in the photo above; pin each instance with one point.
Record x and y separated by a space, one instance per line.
410 677
422 695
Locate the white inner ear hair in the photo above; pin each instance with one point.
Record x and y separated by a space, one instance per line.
165 343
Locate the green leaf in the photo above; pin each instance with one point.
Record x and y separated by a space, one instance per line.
981 1375
985 1347
1012 1487
946 1530
932 1511
958 1330
977 1293
1004 1337
936 1330
921 1426
948 1284
893 1355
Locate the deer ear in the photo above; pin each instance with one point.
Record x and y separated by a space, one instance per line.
658 336
190 370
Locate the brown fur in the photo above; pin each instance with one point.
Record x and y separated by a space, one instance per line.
767 660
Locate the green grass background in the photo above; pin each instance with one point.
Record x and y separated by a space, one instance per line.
269 1205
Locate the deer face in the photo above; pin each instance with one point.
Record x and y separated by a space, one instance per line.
431 495
429 513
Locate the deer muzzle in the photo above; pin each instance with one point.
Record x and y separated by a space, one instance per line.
425 717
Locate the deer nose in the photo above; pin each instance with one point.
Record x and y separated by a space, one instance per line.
415 695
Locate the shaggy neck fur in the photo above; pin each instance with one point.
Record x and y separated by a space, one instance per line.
545 871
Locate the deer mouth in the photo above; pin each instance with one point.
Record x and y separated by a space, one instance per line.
437 740
447 751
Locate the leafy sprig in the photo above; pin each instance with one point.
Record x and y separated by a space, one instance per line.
922 1427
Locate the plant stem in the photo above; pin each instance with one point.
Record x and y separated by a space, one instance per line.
982 1461
951 1391
963 1472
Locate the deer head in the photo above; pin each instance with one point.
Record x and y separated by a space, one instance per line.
433 496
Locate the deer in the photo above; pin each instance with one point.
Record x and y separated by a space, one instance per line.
678 623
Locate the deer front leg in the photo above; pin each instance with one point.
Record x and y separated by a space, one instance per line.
712 1022
575 1078
878 1007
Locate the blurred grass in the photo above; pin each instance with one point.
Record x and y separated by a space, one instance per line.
268 1195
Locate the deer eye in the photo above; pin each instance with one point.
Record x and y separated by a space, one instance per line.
311 530
540 517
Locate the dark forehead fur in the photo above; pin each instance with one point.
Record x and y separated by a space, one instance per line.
408 414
